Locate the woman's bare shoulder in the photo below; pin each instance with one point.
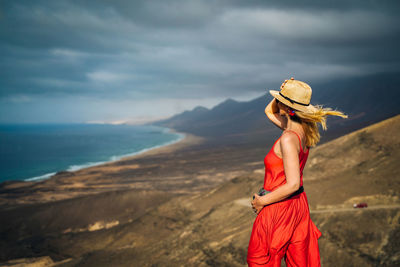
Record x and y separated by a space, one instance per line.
289 140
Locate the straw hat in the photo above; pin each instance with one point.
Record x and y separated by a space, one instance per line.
295 94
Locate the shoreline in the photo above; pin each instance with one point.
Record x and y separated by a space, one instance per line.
74 168
126 173
186 141
183 139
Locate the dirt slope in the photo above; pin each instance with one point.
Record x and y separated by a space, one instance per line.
212 228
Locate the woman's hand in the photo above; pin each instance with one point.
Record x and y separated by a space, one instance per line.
272 107
256 204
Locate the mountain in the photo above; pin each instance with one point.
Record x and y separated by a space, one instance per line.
186 116
229 121
365 99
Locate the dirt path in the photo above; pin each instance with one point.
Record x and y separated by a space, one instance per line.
377 207
246 202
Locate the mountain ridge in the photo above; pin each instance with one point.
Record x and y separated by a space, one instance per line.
234 121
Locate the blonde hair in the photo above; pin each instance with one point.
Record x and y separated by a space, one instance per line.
310 121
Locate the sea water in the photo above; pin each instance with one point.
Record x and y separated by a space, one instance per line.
38 151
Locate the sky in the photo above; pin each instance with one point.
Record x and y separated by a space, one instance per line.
112 61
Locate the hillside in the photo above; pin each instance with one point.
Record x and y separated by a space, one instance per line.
212 228
228 122
233 122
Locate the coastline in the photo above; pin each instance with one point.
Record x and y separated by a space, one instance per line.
125 173
182 138
186 141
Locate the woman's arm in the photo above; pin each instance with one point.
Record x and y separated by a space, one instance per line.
290 148
272 112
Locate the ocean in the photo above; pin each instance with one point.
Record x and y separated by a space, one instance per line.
38 151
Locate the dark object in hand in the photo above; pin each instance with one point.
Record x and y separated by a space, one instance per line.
262 192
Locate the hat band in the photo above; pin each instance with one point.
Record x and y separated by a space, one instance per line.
293 101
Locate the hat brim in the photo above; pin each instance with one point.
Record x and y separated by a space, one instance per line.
306 109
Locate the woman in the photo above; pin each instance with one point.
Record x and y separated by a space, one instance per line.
283 227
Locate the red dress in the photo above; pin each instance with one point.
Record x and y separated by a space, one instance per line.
284 228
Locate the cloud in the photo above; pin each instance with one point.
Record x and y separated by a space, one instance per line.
107 76
156 50
312 27
18 99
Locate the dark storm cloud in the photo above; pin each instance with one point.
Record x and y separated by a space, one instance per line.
187 49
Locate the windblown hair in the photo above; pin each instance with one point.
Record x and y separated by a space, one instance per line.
310 121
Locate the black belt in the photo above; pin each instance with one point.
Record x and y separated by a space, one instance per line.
299 191
263 192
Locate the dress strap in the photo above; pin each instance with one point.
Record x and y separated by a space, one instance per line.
301 147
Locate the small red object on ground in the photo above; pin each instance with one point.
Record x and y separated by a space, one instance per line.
360 205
